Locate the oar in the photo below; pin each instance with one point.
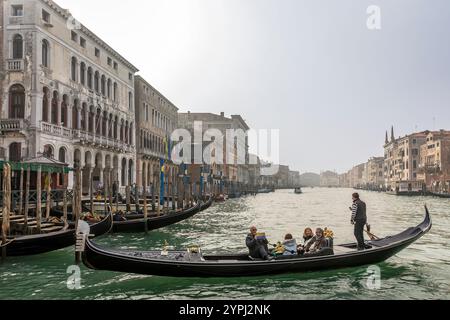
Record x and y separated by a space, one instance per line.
370 234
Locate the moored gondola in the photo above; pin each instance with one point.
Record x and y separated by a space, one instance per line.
192 263
138 224
27 245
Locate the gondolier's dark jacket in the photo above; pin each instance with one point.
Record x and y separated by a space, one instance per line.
254 245
359 211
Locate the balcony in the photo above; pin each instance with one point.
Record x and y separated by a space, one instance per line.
14 65
11 125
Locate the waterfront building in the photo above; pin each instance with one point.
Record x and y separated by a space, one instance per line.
66 95
282 177
434 166
401 164
357 176
374 173
156 119
229 171
344 181
294 179
329 179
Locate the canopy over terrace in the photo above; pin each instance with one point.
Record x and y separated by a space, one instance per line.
57 170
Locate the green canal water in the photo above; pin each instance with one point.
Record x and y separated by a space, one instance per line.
420 272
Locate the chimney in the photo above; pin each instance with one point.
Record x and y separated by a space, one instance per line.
222 114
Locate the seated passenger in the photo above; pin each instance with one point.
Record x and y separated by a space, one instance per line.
119 216
290 245
258 248
317 242
308 235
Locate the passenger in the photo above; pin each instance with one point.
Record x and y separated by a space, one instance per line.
119 216
258 248
290 245
308 235
317 242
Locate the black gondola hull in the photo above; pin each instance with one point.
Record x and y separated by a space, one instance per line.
153 223
43 243
149 263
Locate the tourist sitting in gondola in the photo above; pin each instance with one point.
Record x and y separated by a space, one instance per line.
119 216
257 245
290 245
90 217
308 235
317 243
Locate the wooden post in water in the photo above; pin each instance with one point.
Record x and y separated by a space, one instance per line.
39 199
158 203
152 186
128 200
21 192
144 191
110 192
65 205
48 188
6 206
91 191
174 183
136 198
76 206
27 196
105 189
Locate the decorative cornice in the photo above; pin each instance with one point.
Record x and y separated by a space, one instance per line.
66 15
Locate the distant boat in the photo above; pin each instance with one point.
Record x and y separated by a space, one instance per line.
298 191
440 194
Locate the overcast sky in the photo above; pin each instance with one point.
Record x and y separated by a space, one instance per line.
309 68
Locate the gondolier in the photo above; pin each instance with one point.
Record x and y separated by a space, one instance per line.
359 219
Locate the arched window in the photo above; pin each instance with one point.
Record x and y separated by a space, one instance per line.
97 82
45 53
17 102
130 100
48 151
124 171
115 92
17 47
64 111
89 78
131 134
15 152
62 155
45 105
54 112
73 69
75 115
83 117
103 85
109 88
83 73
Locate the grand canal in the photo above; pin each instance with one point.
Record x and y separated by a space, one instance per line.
419 272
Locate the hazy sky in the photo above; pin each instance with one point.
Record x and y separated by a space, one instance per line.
309 68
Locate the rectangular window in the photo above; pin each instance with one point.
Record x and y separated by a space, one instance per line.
74 36
83 42
97 52
130 76
116 66
17 10
45 16
109 61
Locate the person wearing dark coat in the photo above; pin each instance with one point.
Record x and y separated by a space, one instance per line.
359 219
258 249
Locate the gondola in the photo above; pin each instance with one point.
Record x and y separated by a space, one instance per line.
192 263
41 243
157 222
440 195
298 191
